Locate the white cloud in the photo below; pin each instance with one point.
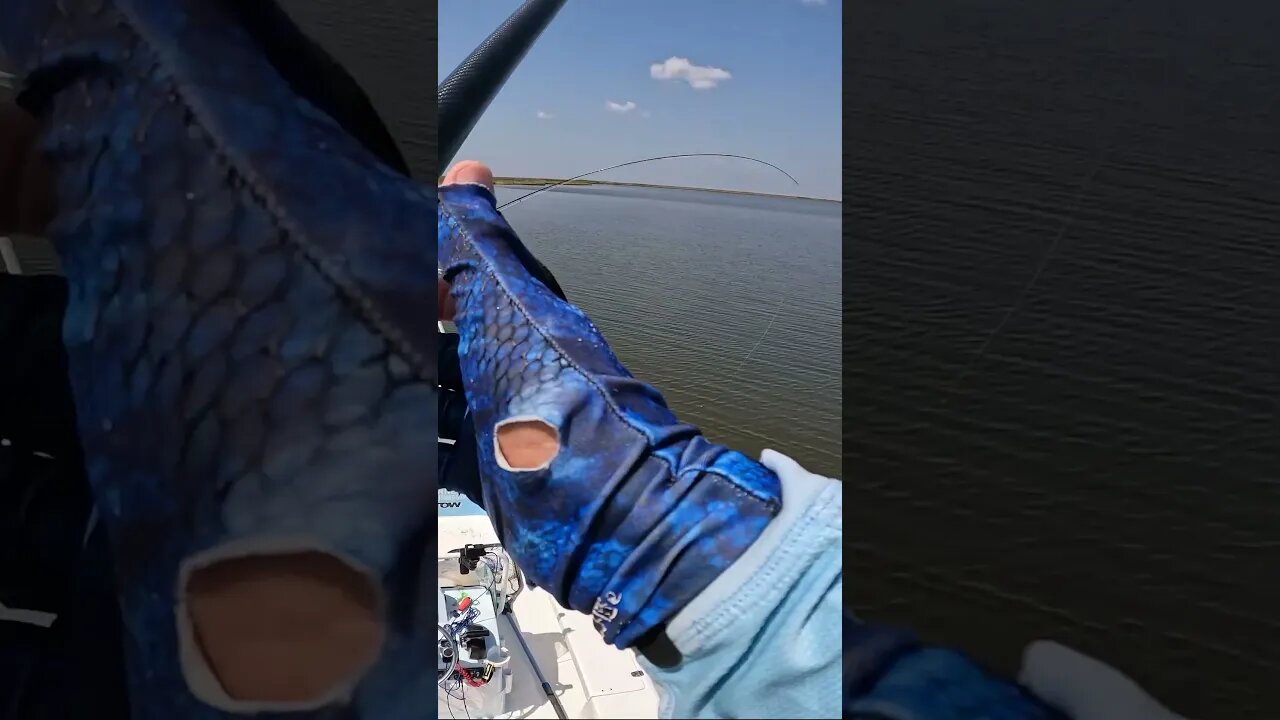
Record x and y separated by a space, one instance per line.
620 108
545 115
699 77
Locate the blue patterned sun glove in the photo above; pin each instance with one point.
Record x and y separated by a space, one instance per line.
250 361
637 513
889 675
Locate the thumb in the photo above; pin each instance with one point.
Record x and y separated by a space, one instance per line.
1085 688
469 172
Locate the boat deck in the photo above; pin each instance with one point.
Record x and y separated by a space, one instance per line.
591 679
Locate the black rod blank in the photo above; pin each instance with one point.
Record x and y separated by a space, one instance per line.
464 96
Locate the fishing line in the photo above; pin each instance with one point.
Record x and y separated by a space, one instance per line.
637 162
777 311
1049 252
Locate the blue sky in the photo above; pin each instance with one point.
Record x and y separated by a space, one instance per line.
769 82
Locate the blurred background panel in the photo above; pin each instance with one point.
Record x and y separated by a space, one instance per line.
1090 455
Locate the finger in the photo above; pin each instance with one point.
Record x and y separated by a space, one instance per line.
470 171
467 171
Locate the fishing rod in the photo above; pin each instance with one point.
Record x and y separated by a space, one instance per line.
566 181
547 690
466 93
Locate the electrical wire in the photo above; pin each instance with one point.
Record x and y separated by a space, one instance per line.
453 648
470 681
505 582
518 578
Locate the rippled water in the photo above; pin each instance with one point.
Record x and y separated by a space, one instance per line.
729 304
1103 469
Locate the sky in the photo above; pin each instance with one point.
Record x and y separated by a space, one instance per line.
617 80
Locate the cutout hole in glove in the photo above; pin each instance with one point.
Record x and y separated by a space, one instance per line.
526 444
283 628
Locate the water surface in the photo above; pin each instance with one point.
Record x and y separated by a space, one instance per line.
1101 470
728 304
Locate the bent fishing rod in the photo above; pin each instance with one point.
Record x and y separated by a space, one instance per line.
466 93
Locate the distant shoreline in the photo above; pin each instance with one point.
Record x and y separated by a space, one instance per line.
584 183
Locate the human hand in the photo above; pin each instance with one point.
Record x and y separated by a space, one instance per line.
467 172
596 489
456 461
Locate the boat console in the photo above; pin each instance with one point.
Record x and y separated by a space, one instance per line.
475 585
